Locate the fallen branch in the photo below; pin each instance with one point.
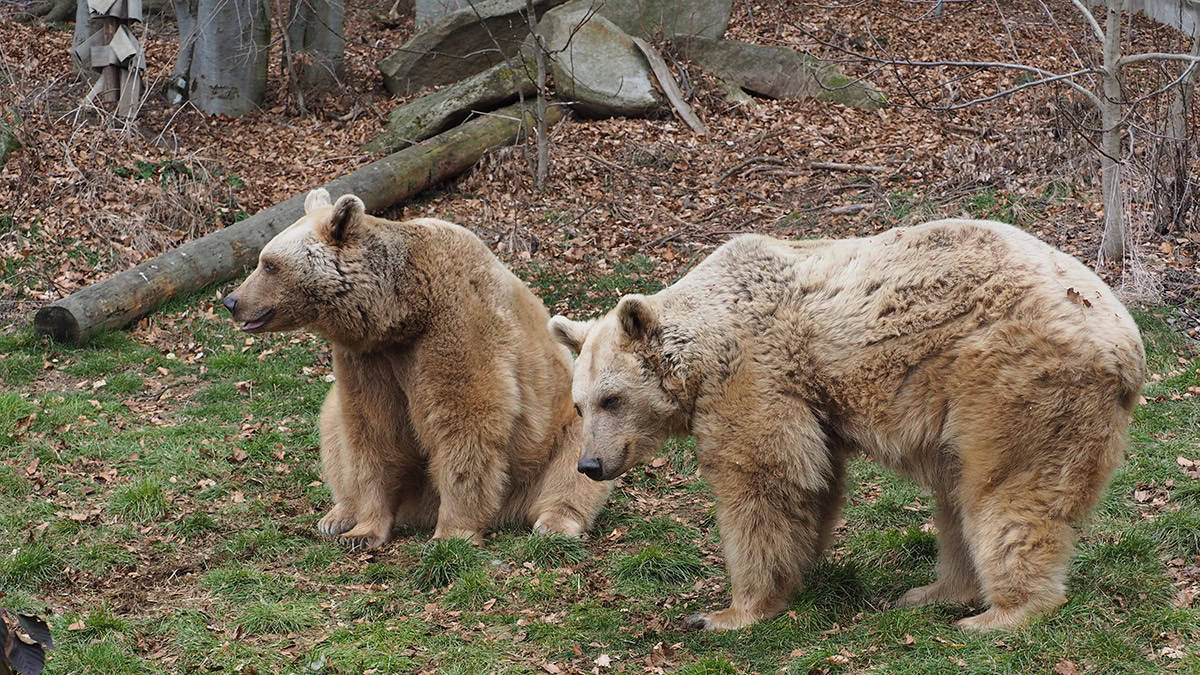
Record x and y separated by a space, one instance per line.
126 297
838 166
667 83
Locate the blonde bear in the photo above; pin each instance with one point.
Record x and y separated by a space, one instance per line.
452 405
973 358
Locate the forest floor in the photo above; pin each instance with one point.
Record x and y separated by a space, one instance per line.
159 488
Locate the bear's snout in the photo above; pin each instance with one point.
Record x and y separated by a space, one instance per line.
591 467
230 303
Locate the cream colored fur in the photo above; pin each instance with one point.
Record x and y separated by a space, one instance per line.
452 405
968 355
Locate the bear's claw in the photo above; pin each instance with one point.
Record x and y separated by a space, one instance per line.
695 622
356 544
336 522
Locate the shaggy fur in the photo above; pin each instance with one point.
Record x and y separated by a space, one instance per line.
991 368
452 404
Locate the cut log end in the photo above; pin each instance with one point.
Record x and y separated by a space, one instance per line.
59 323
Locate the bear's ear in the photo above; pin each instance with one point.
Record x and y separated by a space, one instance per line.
315 200
347 215
568 333
637 317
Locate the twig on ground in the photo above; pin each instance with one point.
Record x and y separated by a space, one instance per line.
763 159
849 208
838 166
667 82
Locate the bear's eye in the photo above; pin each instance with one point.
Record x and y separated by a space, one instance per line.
578 411
269 267
610 402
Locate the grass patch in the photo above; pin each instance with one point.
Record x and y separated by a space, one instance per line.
549 550
280 618
29 567
141 501
445 560
658 564
473 588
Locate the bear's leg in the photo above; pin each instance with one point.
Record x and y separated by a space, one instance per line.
1021 552
771 532
377 498
471 480
364 466
956 579
566 501
341 517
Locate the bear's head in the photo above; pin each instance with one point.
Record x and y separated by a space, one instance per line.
619 386
316 274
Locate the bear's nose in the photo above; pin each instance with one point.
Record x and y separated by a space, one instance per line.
230 303
592 468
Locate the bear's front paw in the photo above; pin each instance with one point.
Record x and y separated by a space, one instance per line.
337 521
363 537
475 537
553 523
726 619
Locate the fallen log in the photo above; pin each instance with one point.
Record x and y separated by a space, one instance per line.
128 296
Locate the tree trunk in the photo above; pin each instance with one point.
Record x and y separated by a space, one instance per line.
542 166
53 11
222 62
315 30
126 297
1181 193
1112 247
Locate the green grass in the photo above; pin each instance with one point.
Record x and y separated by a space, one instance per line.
445 560
171 519
141 501
658 564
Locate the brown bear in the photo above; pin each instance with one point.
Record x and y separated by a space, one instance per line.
452 405
968 355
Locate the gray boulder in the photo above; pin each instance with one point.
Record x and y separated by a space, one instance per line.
459 44
778 72
426 12
596 66
646 18
431 114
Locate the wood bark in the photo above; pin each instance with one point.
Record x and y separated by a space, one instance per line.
127 296
1112 246
315 33
223 54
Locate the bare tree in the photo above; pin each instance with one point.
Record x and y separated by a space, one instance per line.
1110 98
542 167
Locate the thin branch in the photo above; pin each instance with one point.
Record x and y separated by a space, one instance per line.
838 166
1155 56
1091 19
1046 80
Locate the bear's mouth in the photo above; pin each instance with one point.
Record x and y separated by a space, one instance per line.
259 322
